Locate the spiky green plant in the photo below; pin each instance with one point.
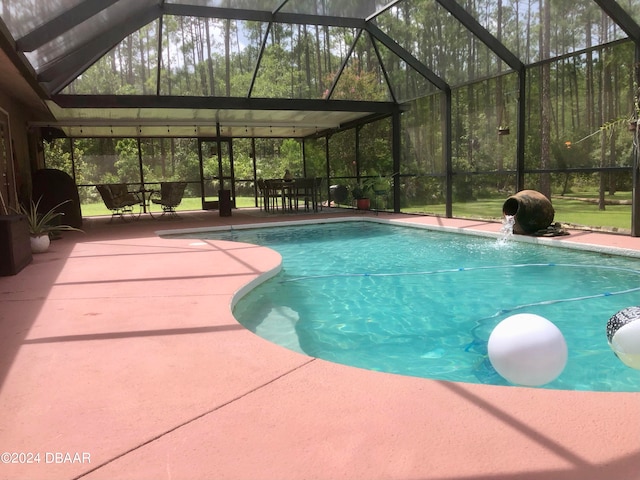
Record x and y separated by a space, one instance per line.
42 223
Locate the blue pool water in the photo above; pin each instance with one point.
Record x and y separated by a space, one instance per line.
423 303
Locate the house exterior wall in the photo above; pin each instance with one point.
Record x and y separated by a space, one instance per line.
26 155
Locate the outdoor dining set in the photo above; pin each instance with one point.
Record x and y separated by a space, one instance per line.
275 195
290 195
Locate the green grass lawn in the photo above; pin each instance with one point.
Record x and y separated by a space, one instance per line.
188 203
568 209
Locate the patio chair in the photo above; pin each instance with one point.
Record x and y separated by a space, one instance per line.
273 189
263 197
118 199
304 190
171 194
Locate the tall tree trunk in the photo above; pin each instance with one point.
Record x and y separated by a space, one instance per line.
227 56
114 70
185 56
603 136
590 96
209 60
500 103
163 158
320 80
168 73
609 114
129 44
122 65
143 64
327 50
200 65
239 55
545 118
148 41
575 98
307 59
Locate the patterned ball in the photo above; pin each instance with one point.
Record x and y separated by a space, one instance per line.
623 335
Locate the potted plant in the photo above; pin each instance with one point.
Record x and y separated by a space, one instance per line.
381 185
42 225
360 193
15 251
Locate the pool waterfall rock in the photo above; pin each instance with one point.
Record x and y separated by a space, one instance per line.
531 210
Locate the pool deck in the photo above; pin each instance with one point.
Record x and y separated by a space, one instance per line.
120 359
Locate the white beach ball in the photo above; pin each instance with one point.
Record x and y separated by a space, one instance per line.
623 334
527 349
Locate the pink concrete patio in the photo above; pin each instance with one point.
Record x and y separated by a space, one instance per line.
120 359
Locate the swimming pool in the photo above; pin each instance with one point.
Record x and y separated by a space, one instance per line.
423 303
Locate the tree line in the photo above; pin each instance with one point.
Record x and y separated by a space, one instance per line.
573 103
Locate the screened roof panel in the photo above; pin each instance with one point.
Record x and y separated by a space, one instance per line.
50 32
22 17
363 77
335 8
85 33
130 68
437 39
575 25
182 60
300 50
405 82
262 5
301 61
633 9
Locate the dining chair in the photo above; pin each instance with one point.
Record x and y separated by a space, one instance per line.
273 193
263 198
304 190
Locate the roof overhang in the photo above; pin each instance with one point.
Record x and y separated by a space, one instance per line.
162 116
17 84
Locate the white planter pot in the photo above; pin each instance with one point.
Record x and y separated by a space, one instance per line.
40 244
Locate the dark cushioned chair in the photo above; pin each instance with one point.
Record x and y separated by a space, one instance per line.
171 194
118 199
